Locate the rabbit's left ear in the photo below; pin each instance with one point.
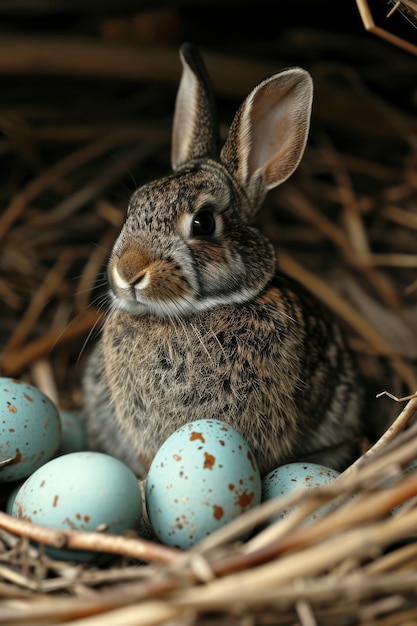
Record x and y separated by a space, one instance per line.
196 130
269 132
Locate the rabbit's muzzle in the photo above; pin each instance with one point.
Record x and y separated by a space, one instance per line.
139 283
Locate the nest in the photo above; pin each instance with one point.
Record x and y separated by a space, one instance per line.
85 121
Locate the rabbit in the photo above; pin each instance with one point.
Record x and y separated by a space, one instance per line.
202 323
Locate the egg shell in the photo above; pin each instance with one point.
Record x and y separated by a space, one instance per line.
81 491
30 429
73 433
286 478
202 477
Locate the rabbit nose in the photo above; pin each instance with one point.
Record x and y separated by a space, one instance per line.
131 270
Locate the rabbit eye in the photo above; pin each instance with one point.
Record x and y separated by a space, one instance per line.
204 223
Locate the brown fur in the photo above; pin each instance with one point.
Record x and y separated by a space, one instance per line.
206 326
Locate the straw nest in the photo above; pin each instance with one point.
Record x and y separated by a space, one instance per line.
84 122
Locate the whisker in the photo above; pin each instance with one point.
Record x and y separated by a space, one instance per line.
87 340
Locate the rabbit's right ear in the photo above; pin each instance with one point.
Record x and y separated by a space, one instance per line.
196 129
268 135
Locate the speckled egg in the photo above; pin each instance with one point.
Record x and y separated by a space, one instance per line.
30 429
81 491
286 478
73 434
202 477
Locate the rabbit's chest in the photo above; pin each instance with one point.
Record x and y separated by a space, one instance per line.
204 364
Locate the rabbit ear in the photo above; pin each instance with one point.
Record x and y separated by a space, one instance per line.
196 129
269 132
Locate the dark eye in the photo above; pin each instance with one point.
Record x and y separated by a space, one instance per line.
204 223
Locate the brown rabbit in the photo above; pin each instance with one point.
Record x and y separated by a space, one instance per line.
202 323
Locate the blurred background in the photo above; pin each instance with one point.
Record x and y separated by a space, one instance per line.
86 104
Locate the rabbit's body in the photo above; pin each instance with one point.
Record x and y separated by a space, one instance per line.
202 323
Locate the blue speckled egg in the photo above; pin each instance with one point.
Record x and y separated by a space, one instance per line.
203 476
81 491
30 429
286 478
73 434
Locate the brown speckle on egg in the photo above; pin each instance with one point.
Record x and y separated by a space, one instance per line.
209 461
181 521
194 436
218 512
70 523
17 457
251 460
244 500
177 457
19 508
55 501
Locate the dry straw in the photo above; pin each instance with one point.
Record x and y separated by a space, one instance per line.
358 560
408 8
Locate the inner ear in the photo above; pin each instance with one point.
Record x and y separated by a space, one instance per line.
196 130
279 119
268 134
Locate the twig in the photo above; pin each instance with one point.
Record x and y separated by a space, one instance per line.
43 378
389 435
369 23
37 55
13 363
98 542
45 291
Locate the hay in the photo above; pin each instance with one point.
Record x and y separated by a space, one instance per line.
73 151
354 565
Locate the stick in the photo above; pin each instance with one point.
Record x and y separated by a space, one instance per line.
390 434
368 22
97 542
76 56
14 363
46 289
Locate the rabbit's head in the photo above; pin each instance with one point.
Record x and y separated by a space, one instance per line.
187 243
